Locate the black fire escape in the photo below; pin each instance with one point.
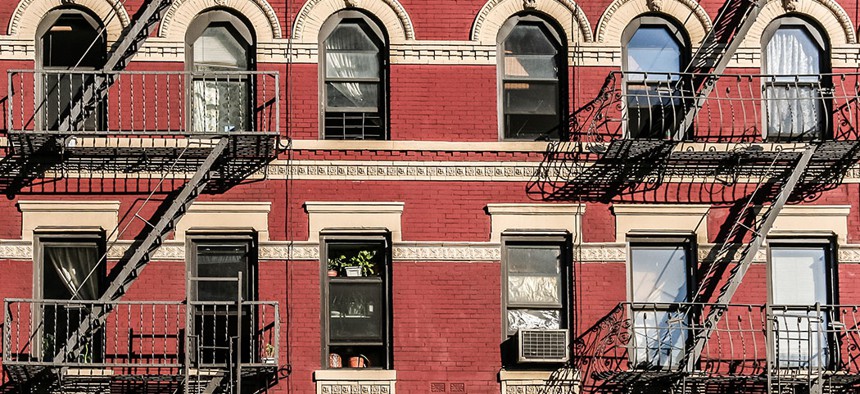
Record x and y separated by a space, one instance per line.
150 127
714 150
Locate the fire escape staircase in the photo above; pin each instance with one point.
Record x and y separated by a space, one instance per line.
130 41
123 50
143 253
728 252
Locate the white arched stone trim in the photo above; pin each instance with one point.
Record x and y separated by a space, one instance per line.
621 12
390 12
259 13
565 12
830 15
29 13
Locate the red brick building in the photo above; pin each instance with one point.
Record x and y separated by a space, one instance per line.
378 196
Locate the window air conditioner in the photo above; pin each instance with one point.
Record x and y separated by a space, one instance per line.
543 346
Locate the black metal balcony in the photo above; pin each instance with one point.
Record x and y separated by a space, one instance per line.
141 340
753 347
646 129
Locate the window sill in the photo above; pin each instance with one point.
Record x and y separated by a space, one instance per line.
355 381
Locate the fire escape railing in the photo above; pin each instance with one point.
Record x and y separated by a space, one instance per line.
138 334
741 108
751 341
172 103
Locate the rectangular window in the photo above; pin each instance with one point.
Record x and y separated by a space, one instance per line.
536 275
661 269
801 281
216 263
71 271
356 300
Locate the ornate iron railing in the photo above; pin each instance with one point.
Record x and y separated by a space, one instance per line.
640 341
742 108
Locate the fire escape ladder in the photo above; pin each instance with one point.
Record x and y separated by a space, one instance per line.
143 252
129 42
734 20
747 254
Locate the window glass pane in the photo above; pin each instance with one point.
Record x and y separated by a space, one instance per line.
534 275
352 65
221 262
531 66
352 95
792 51
653 48
219 106
349 36
659 273
659 338
794 111
218 48
67 44
346 254
356 311
529 39
531 126
799 275
533 319
69 272
531 98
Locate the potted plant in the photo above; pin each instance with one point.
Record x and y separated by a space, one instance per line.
361 264
336 264
269 354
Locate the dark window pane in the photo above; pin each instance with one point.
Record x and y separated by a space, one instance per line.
221 262
67 44
356 312
70 273
531 98
529 39
530 126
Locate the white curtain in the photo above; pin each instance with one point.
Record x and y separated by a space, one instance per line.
350 55
799 277
659 276
794 104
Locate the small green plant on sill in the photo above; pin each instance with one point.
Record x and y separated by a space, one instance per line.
337 263
364 259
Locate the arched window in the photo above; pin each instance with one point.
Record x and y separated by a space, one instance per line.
219 47
795 56
533 60
353 75
68 39
655 51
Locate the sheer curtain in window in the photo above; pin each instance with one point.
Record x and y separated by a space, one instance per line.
74 268
794 105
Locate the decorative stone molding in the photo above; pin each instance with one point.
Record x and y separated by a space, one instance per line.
259 13
407 251
29 13
69 214
566 13
620 13
391 13
560 381
346 381
322 215
535 217
226 215
658 217
828 13
814 218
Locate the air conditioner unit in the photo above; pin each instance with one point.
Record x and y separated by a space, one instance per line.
543 346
